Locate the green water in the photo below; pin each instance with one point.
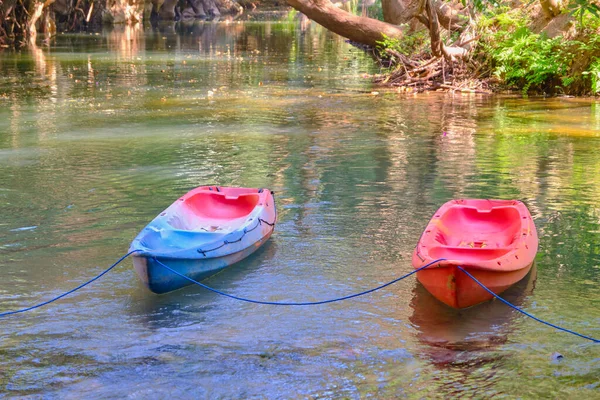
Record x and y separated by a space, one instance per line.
99 133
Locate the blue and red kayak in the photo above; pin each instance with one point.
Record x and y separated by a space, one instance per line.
204 231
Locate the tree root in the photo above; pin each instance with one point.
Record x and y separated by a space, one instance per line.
423 73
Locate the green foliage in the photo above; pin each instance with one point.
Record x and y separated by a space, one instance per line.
417 42
579 8
594 74
530 59
375 10
520 57
292 15
591 43
586 72
527 60
481 5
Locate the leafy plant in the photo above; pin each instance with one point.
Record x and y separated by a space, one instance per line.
527 59
480 5
416 42
522 58
594 74
292 15
579 8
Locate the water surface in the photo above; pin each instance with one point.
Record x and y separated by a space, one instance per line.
99 133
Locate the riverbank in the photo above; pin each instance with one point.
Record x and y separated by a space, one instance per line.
520 48
517 49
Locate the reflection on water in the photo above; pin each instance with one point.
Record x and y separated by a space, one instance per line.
466 344
448 332
99 132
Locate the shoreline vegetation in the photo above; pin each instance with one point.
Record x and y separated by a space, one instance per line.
516 49
549 47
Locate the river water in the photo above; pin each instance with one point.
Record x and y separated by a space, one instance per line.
100 132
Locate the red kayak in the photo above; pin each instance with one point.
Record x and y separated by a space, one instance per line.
494 240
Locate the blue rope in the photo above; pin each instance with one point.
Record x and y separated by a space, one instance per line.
297 303
307 303
70 291
310 303
525 312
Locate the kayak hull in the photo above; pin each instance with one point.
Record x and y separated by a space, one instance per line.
160 280
494 240
454 288
200 234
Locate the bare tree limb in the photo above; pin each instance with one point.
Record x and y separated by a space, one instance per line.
434 28
38 8
359 29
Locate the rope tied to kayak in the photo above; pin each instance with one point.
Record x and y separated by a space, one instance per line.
6 313
525 312
311 303
293 303
70 291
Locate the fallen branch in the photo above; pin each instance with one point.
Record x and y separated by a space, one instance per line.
404 59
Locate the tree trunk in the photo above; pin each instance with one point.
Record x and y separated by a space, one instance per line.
198 8
167 10
36 13
393 11
211 8
551 8
400 11
123 11
451 15
359 29
434 29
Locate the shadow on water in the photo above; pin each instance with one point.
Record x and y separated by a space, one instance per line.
449 334
186 306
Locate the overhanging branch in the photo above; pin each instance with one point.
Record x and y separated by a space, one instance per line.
359 29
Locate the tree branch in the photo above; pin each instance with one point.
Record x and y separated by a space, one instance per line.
359 29
434 28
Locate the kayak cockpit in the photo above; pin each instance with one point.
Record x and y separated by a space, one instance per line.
200 218
470 234
218 205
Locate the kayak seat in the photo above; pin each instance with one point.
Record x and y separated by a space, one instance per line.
498 227
468 253
470 234
212 212
216 205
